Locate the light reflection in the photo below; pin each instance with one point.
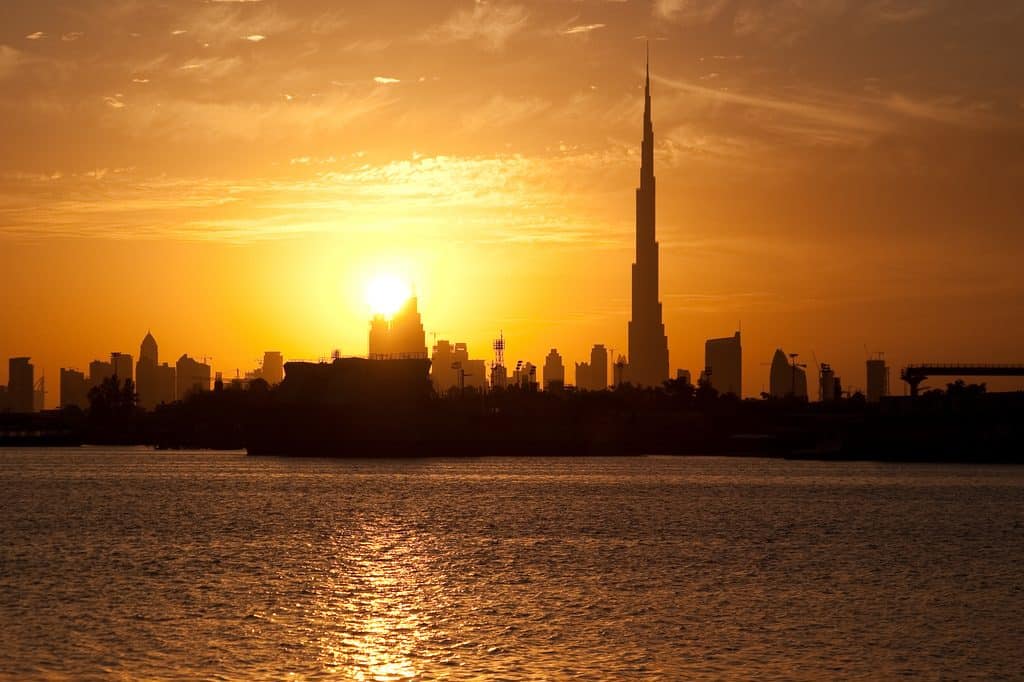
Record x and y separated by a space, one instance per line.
375 605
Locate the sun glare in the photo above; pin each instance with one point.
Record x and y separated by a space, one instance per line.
385 294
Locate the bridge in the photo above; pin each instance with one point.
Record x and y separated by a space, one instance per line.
915 374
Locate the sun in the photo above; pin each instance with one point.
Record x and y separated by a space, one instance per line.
385 294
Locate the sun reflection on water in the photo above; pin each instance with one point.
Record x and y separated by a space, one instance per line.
378 603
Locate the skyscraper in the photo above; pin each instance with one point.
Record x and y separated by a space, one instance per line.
648 345
146 371
786 380
122 364
593 376
192 376
154 383
74 389
554 371
21 384
878 379
401 337
723 364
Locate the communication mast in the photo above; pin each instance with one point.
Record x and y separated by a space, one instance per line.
499 350
499 378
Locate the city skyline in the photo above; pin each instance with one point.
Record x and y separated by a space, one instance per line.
250 166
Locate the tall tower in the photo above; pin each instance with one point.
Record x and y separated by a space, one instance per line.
648 345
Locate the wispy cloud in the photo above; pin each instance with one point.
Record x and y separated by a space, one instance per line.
581 28
689 11
385 80
405 196
255 38
491 24
38 35
71 36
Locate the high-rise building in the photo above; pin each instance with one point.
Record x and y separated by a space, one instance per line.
829 386
146 373
451 368
21 385
554 371
786 379
39 395
192 376
148 350
648 344
74 389
723 364
402 337
593 376
273 367
122 364
154 383
99 371
878 379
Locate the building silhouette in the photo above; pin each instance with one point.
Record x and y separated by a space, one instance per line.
74 389
99 371
525 375
593 375
648 344
829 386
39 394
684 376
273 367
122 364
878 379
20 385
786 379
192 376
155 384
452 368
401 337
723 364
554 371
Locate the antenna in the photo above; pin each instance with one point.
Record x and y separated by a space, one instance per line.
499 350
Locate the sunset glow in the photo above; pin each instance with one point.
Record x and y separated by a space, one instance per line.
385 294
824 180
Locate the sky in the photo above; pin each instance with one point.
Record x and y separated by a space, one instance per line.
835 177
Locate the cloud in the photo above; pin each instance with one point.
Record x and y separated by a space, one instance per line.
689 12
255 38
487 23
38 35
115 102
71 36
582 28
385 80
508 199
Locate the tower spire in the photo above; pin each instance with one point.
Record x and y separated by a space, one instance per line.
648 345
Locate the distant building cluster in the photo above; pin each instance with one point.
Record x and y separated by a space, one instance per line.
154 383
402 337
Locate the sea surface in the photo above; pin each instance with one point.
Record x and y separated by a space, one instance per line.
134 564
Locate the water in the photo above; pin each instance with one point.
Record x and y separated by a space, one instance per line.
135 564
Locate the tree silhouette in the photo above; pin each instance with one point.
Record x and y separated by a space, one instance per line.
112 401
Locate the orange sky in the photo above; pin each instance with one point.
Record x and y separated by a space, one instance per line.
834 174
